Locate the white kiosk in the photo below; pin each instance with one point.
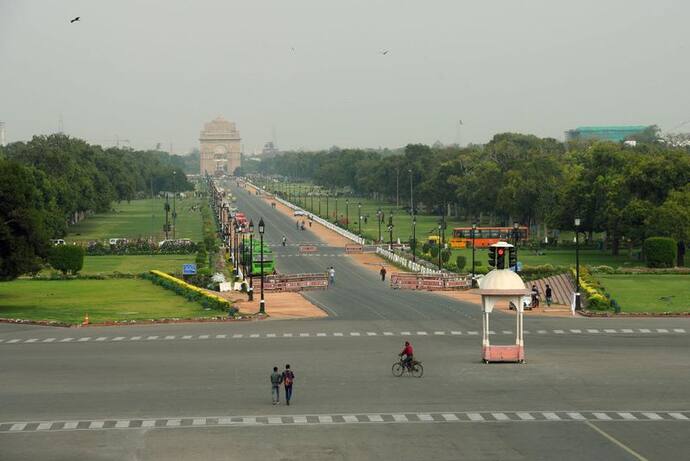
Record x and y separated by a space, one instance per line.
502 285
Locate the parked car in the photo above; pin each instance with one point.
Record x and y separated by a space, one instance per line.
300 213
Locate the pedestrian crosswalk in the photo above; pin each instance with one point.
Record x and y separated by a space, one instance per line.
342 419
323 334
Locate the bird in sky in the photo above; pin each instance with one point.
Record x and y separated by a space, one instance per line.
74 20
384 52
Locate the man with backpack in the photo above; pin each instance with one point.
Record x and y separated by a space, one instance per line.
288 379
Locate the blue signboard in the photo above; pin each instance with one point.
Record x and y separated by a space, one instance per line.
188 269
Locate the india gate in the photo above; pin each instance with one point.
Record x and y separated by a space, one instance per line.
220 147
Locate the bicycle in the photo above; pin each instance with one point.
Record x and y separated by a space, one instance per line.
415 368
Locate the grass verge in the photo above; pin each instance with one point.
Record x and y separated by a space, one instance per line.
649 293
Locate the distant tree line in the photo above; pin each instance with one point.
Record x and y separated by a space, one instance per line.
628 192
51 181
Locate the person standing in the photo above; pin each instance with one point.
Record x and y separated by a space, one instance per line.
383 273
535 296
331 276
288 379
276 379
549 295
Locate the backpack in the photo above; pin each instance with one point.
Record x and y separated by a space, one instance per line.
288 377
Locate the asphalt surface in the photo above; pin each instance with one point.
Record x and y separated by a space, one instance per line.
612 389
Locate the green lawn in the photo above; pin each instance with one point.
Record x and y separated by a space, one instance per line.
556 258
135 264
649 293
104 300
139 218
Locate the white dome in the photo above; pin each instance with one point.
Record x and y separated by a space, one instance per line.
502 279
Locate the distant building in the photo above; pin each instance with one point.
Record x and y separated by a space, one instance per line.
220 148
269 150
604 133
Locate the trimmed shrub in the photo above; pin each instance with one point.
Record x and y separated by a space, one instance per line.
445 255
460 261
190 292
67 258
659 251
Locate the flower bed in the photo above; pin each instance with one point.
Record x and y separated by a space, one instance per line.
594 294
190 292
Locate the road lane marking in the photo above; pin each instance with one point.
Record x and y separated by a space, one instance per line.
662 330
203 336
456 332
645 330
354 333
592 330
559 332
300 419
576 331
321 335
627 416
387 333
525 416
256 335
676 415
18 427
337 334
70 425
101 338
439 333
118 338
400 418
350 419
32 340
81 340
421 333
66 340
576 416
551 416
199 422
325 419
96 424
44 426
304 335
404 333
148 423
173 422
169 337
617 442
286 335
602 416
122 424
541 332
653 416
627 330
679 330
500 416
237 335
475 417
270 335
609 330
450 417
151 338
472 332
222 336
375 418
48 340
371 333
507 332
135 338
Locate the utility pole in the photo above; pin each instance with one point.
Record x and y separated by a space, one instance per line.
174 213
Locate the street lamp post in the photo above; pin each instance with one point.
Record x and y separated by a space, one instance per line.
347 213
516 226
411 194
577 264
319 202
474 233
336 208
174 213
390 231
439 246
379 217
251 260
262 303
235 244
359 219
327 214
414 238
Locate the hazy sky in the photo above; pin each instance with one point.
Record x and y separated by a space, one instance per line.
155 71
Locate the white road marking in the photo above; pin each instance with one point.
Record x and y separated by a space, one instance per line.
199 422
249 420
32 340
337 334
627 330
576 331
101 338
404 333
118 338
96 424
187 337
421 333
122 423
679 330
170 337
256 335
559 332
223 336
325 419
375 418
602 416
299 419
450 417
627 416
475 417
617 442
456 332
551 416
148 423
304 335
173 422
472 332
350 419
592 330
44 426
500 416
609 330
662 330
425 417
387 333
400 418
203 336
645 330
48 340
371 333
270 335
70 425
285 335
439 333
354 333
150 338
81 340
541 332
64 340
653 416
507 332
238 335
680 416
135 338
321 334
525 416
576 416
18 427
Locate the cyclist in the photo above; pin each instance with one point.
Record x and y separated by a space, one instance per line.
284 240
407 355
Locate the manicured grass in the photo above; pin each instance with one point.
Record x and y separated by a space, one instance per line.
104 300
135 264
555 257
140 219
649 293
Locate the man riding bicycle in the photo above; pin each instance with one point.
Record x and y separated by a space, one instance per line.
407 355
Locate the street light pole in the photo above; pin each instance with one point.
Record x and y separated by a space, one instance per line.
439 246
379 217
414 238
336 208
347 214
174 213
262 303
251 260
474 232
411 194
327 214
359 218
577 264
390 231
516 225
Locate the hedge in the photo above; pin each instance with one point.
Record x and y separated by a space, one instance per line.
594 295
659 251
190 292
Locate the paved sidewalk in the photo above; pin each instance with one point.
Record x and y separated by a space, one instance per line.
282 305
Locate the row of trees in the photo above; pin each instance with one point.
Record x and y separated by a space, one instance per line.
628 192
50 181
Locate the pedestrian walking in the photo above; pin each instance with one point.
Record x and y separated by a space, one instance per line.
276 379
297 224
549 295
288 379
383 273
331 276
